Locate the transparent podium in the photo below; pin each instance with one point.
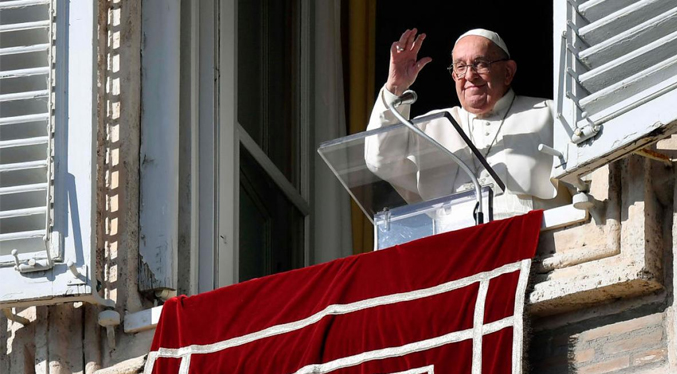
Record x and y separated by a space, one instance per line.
409 186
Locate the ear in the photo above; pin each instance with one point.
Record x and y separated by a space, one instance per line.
510 70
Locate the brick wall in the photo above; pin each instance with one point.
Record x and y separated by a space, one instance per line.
630 342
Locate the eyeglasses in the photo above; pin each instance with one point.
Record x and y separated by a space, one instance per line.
459 69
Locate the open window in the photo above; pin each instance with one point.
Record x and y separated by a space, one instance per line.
47 151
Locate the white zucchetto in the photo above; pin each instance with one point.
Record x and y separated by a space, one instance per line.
486 34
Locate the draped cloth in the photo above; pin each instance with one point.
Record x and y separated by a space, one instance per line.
449 303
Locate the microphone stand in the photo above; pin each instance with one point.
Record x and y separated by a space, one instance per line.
409 97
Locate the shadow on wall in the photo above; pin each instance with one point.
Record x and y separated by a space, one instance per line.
118 179
109 137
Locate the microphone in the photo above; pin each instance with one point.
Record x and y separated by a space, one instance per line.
408 97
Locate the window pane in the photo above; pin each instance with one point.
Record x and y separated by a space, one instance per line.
271 228
267 64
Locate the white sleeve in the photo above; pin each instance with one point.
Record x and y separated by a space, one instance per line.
386 154
380 115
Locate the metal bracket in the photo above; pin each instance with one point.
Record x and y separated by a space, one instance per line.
78 278
386 219
16 318
552 152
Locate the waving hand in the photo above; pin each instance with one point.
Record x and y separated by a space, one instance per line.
404 63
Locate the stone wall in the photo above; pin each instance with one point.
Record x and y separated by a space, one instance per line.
622 321
632 341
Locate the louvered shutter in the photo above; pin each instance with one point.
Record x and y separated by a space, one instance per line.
615 79
25 128
48 122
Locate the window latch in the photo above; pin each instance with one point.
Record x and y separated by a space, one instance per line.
31 265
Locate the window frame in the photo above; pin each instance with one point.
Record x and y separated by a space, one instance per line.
216 138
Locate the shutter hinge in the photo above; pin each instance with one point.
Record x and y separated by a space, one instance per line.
584 133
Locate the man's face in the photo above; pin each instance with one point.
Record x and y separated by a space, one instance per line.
479 93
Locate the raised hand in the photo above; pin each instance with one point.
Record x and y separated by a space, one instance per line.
404 66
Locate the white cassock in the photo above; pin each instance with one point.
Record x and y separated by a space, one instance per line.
508 137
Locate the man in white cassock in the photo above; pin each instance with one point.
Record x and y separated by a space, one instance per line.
506 128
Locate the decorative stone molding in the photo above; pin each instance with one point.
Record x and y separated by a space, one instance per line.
618 254
131 366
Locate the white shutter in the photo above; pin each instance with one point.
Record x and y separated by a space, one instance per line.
615 79
47 151
25 128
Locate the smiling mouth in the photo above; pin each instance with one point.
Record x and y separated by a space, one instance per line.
473 88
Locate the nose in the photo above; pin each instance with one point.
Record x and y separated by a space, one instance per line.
470 71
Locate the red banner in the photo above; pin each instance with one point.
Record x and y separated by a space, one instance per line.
450 303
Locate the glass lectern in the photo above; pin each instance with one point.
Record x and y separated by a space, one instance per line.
408 186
